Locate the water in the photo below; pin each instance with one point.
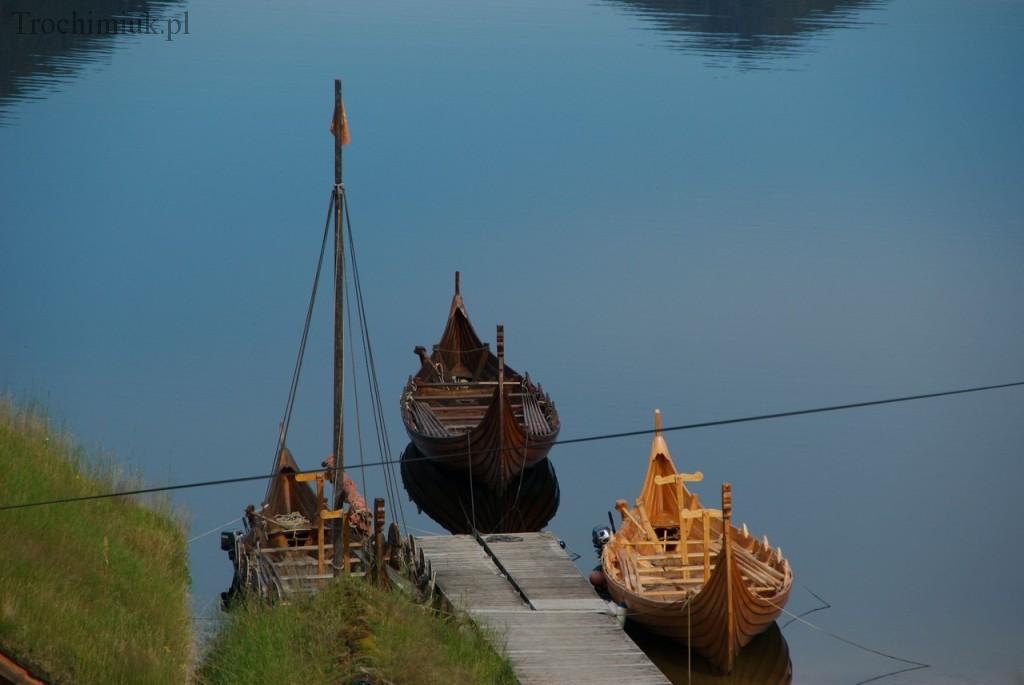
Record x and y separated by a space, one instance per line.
774 207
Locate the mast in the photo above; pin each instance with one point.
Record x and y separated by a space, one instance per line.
501 394
338 434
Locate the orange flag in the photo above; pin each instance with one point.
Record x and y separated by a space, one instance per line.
339 117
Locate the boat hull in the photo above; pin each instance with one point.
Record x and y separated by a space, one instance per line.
496 450
704 623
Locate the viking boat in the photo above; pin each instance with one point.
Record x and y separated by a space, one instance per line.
466 409
276 555
462 505
288 544
684 571
285 548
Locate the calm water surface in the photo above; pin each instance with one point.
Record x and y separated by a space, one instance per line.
718 209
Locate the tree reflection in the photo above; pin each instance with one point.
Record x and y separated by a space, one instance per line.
40 55
747 32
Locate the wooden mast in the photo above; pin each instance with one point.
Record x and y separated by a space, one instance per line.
338 434
500 340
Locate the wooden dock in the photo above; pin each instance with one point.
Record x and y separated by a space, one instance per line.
526 593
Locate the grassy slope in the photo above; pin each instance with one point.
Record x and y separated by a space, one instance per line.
92 592
348 630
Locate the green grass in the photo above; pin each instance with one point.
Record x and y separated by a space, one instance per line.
91 592
350 629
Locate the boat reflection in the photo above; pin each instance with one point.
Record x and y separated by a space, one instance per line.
746 33
45 45
764 661
454 500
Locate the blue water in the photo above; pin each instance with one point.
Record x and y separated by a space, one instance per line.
755 208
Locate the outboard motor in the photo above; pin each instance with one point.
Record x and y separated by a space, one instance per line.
600 537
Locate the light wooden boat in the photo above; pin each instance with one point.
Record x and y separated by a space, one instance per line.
684 571
467 410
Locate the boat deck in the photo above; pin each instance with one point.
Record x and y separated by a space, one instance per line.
524 591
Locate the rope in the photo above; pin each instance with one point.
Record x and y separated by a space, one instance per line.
297 370
213 530
592 438
355 394
767 417
391 479
913 665
382 445
821 607
786 414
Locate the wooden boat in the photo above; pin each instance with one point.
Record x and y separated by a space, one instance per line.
467 410
460 504
285 549
684 571
288 544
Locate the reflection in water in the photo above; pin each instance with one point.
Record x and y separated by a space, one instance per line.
746 32
40 55
765 661
460 503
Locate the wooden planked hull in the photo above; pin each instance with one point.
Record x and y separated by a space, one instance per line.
468 411
705 626
495 450
449 498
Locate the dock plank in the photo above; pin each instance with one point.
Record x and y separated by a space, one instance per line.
543 615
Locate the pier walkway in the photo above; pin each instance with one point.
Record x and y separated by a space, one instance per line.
523 590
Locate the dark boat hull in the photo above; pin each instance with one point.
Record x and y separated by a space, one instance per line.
496 450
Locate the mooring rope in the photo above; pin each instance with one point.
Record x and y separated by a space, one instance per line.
913 665
821 607
213 530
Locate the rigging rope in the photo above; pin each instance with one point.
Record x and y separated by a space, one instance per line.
355 394
297 370
391 479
